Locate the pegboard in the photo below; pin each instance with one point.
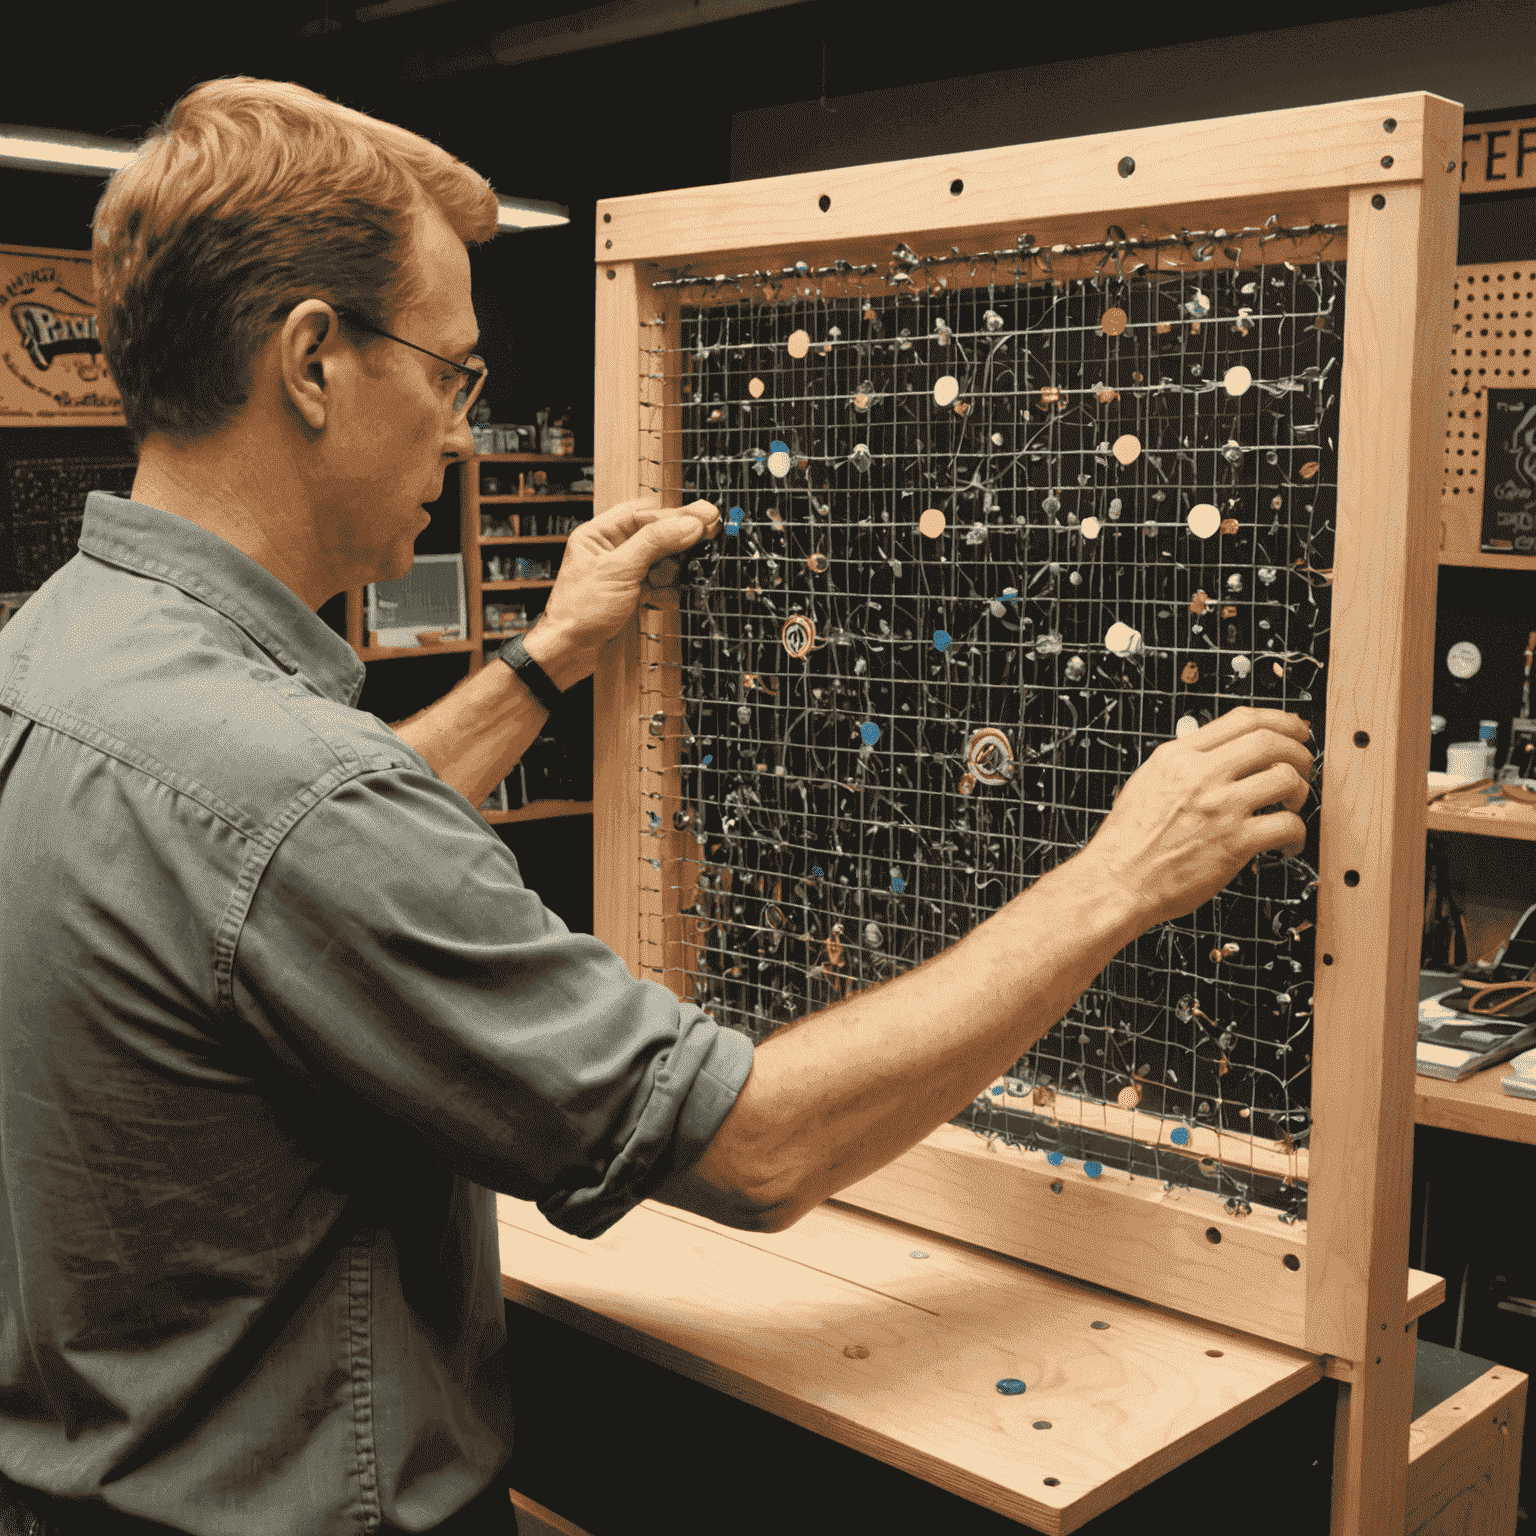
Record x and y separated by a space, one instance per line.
1493 333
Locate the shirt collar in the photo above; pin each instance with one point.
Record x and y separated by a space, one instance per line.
168 548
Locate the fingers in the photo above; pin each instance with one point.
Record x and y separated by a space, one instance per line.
1237 723
1279 830
1258 750
623 521
669 534
1279 784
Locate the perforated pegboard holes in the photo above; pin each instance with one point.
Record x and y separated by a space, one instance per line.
1493 331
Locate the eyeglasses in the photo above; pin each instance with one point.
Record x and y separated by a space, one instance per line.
473 369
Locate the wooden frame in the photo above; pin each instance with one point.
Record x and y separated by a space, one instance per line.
1386 168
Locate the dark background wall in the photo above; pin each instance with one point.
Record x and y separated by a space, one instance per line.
795 88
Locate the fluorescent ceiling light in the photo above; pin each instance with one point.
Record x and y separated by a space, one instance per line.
84 154
52 149
529 213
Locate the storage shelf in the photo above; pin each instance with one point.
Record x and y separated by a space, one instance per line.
395 652
528 501
1489 562
512 586
533 458
1520 823
524 538
540 810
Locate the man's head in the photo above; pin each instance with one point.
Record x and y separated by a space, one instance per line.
223 253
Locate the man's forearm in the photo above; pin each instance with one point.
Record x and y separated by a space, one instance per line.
841 1094
475 736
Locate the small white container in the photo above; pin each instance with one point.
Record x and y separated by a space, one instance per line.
1468 760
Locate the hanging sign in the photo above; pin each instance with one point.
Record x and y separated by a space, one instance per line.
1499 157
52 372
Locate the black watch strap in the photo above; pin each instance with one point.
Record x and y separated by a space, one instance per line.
534 677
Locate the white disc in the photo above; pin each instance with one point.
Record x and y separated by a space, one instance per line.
947 390
1203 520
798 344
778 464
1091 527
1187 726
1127 448
1122 639
1238 381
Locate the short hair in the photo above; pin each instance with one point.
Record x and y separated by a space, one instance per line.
249 197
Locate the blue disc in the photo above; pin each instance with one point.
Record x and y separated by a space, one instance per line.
1093 1170
997 1089
1010 1386
709 759
898 884
1054 1159
1179 1136
940 640
870 732
777 447
817 872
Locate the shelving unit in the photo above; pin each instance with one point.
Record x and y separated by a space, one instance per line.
470 544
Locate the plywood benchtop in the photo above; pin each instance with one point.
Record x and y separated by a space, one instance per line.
837 1326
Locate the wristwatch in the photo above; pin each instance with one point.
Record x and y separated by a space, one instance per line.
534 677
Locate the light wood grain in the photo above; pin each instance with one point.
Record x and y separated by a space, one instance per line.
836 1327
1478 1106
1474 812
1254 158
1127 1233
620 344
1464 1460
1373 823
535 1520
540 810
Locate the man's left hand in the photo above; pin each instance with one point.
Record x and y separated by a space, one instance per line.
628 552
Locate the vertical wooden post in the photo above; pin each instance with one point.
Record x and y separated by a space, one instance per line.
666 865
620 364
1401 255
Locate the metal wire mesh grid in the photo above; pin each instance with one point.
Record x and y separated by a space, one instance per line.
984 548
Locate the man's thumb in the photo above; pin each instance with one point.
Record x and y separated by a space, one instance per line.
666 536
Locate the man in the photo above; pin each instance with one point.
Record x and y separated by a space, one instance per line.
277 1013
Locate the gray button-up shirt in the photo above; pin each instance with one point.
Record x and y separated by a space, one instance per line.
277 1016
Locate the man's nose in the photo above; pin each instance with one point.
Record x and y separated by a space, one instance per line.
461 441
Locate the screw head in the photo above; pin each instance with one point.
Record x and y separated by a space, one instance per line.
1127 166
1378 201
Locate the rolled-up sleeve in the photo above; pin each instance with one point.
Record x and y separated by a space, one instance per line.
390 951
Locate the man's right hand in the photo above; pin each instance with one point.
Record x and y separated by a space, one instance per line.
1185 822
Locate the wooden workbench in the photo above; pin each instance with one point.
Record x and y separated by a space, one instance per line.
892 1341
1478 1105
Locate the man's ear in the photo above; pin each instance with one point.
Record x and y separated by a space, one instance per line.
307 346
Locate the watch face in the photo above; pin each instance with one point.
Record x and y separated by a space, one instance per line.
1464 659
